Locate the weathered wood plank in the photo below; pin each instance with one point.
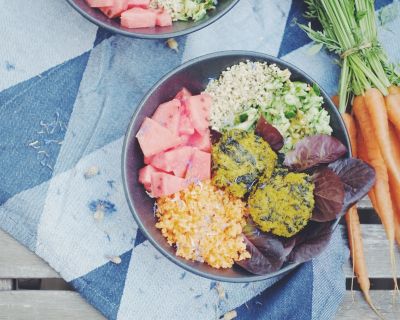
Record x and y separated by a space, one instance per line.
376 248
358 309
69 305
18 262
49 305
364 203
6 284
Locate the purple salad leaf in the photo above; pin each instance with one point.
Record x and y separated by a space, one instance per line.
274 248
357 177
215 136
328 195
314 150
311 241
269 133
257 263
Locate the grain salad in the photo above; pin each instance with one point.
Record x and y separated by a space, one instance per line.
183 10
249 89
205 224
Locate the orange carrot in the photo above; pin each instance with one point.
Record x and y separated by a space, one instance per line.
395 194
394 90
393 109
335 100
352 131
383 202
375 104
353 224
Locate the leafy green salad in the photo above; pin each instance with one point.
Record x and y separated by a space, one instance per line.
252 89
184 10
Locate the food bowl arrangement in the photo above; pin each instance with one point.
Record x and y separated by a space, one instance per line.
236 167
152 19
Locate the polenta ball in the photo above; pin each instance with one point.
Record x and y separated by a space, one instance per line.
283 203
239 158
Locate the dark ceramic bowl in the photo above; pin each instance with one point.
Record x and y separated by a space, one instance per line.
195 76
178 28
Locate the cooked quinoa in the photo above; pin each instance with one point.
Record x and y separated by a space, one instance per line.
205 224
249 89
185 9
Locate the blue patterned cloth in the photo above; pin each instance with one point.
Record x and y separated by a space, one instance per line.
67 92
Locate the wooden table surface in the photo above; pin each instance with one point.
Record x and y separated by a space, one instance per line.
30 289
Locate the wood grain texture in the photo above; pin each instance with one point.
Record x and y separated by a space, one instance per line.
355 307
18 262
54 305
6 284
376 247
49 305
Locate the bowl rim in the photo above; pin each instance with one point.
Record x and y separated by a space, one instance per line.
269 59
165 35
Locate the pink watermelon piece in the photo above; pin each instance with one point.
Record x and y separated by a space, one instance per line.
163 184
175 160
163 19
168 115
145 176
199 168
138 18
202 142
154 138
116 9
184 139
185 125
138 3
183 93
100 3
199 108
147 160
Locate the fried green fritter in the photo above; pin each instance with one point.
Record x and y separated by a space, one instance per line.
282 203
239 159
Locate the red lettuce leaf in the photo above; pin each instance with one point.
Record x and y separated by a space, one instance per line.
314 150
357 177
328 195
274 248
215 136
269 133
257 263
311 241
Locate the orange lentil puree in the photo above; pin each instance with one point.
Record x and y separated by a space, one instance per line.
205 224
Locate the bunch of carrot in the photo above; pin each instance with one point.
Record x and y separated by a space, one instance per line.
370 81
374 139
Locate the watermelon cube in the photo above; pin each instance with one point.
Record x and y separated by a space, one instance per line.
168 115
138 18
184 139
185 125
138 3
163 184
145 176
116 9
199 168
147 160
154 138
202 142
175 160
100 3
183 93
163 19
199 108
